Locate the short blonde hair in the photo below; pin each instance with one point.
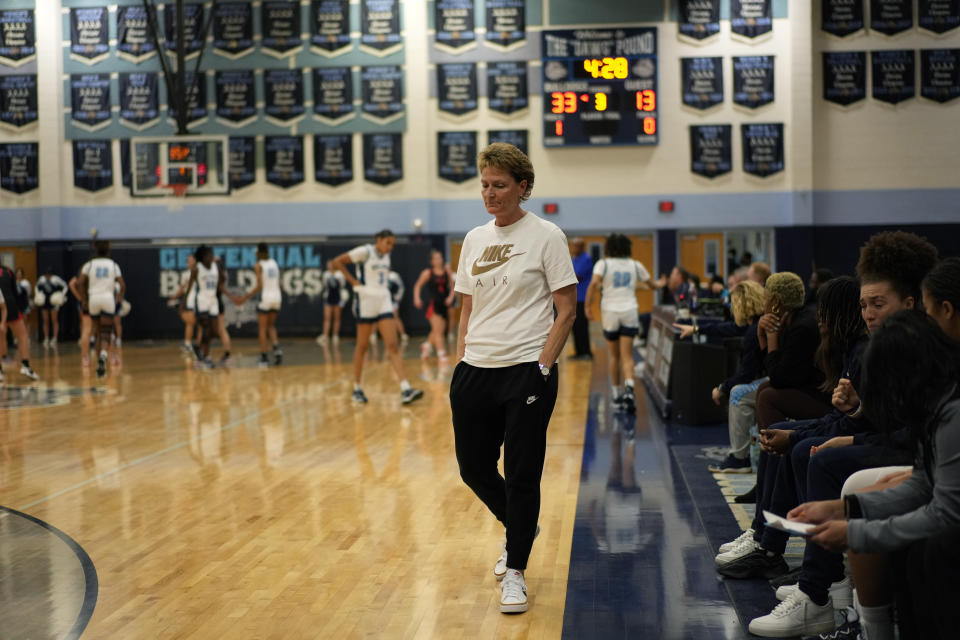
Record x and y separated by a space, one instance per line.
788 289
507 157
762 269
746 302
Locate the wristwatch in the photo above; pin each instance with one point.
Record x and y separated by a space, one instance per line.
544 369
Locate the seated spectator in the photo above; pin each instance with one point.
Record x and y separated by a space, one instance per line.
941 296
759 272
818 278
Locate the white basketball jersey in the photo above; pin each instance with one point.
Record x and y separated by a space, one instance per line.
621 276
270 277
373 269
102 274
207 280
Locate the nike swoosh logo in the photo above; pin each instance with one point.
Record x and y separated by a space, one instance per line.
531 399
479 269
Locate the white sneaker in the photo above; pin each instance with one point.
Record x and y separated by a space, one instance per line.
46 343
513 593
322 339
29 372
53 343
500 569
746 548
795 616
736 542
841 593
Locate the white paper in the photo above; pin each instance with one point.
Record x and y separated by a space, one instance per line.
797 528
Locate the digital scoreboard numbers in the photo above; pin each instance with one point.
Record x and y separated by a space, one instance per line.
600 87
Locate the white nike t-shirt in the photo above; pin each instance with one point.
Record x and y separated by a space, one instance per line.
511 273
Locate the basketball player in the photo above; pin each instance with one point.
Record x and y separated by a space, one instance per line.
335 297
268 286
395 284
221 320
439 283
97 282
374 308
86 324
24 297
209 279
8 287
188 308
49 283
617 276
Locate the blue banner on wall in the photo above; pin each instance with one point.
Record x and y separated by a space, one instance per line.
89 40
382 158
506 22
940 74
698 19
196 98
711 150
233 29
457 88
842 17
891 16
192 28
330 26
284 159
283 94
19 166
938 16
702 81
18 100
457 155
844 76
333 93
894 74
380 26
236 97
750 18
333 159
762 148
280 21
243 162
382 91
753 81
92 164
507 89
455 24
90 100
139 99
516 137
133 34
18 37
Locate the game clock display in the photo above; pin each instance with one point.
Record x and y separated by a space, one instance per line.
600 87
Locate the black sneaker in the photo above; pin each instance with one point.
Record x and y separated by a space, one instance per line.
750 497
846 631
628 402
277 357
790 577
263 363
101 366
731 464
756 564
408 396
359 396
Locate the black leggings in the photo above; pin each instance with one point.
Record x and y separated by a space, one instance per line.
509 407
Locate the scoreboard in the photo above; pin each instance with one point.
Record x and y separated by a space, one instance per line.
600 87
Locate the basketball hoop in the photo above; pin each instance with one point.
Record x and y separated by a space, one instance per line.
179 190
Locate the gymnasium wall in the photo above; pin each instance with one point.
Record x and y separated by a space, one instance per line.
866 164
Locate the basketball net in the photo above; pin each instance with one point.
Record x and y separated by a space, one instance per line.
179 190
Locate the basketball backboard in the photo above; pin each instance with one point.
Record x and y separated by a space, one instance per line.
180 166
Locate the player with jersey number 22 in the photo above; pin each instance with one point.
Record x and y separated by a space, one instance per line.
97 284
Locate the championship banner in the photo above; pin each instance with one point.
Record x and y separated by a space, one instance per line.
698 19
92 164
382 92
333 94
283 95
243 162
762 148
380 26
284 160
702 82
753 81
90 100
507 90
890 17
842 17
750 18
894 74
516 137
940 74
281 27
457 155
457 88
236 97
506 22
18 100
196 95
233 29
333 159
844 77
330 26
89 40
938 16
192 28
711 150
455 24
139 99
133 36
382 158
19 167
18 37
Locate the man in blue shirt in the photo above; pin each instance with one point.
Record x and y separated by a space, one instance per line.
583 266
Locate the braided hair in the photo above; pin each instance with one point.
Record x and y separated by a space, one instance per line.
841 325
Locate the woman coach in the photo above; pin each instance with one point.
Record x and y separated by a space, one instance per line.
513 271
